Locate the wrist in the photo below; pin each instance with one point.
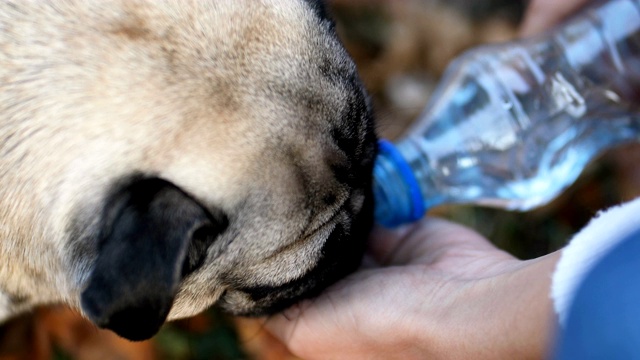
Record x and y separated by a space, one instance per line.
529 317
507 315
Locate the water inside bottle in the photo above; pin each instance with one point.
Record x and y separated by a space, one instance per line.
514 136
513 125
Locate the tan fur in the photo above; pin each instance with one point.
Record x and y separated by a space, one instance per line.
209 95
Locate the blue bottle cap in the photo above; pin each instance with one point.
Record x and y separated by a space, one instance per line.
418 207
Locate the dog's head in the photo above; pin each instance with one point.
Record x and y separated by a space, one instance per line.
178 155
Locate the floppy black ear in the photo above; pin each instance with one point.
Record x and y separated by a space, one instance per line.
153 234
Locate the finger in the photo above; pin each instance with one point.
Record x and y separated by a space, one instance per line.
543 14
307 327
423 241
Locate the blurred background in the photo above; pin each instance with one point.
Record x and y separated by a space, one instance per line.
401 48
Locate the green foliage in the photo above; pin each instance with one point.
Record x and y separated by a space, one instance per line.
218 341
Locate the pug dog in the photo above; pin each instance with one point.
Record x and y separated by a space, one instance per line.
158 157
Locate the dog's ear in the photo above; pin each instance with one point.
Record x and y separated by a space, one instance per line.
153 235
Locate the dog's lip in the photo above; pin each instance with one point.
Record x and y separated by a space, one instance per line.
258 307
310 232
309 236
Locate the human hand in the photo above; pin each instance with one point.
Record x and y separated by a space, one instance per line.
432 289
542 14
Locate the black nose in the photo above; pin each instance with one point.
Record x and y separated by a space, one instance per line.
135 323
152 235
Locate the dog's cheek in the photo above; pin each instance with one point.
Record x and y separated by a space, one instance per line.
145 249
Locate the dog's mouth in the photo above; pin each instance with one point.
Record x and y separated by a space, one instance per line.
341 255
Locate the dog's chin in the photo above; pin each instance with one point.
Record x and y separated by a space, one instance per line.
340 256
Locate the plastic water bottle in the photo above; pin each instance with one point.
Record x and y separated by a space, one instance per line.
513 125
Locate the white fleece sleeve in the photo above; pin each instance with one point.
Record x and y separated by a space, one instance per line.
603 232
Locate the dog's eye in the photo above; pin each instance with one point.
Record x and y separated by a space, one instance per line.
342 172
340 160
356 121
346 139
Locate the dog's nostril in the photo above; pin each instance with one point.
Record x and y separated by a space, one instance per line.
201 239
